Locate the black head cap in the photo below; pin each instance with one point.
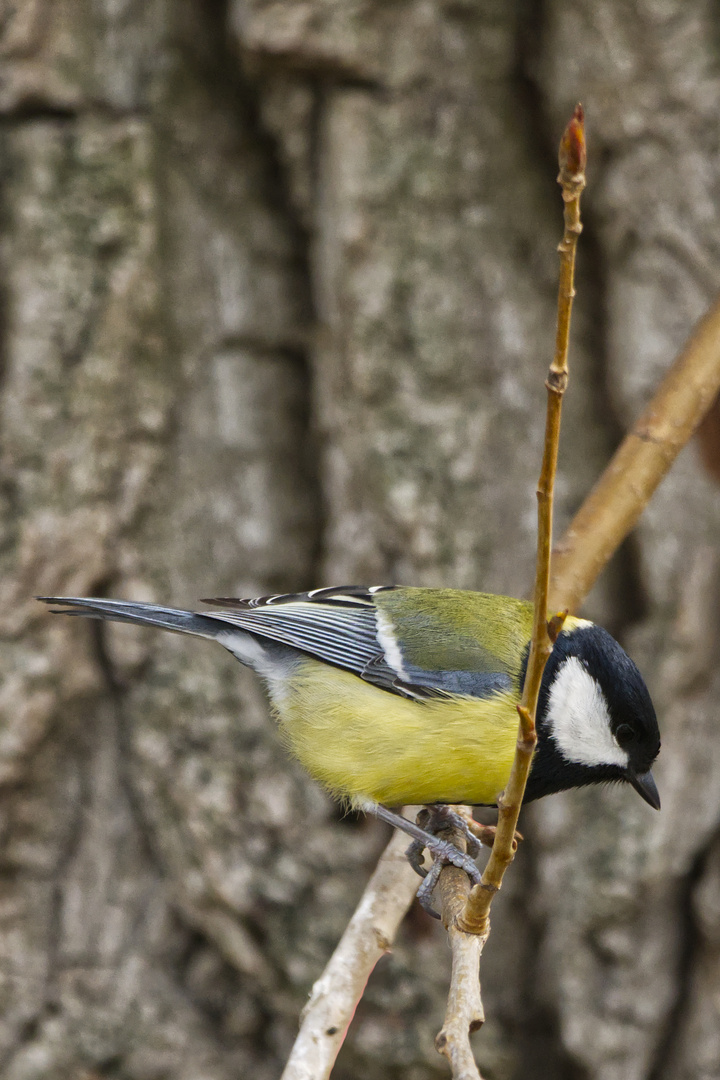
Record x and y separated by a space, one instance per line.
630 715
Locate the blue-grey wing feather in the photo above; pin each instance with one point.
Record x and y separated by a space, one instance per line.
346 637
339 626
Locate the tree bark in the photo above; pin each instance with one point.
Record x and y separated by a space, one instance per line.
277 284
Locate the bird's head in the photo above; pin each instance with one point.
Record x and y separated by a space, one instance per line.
596 721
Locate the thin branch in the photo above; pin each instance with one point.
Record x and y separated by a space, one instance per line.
368 936
464 1012
474 917
613 507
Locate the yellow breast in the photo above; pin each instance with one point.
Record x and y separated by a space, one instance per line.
362 742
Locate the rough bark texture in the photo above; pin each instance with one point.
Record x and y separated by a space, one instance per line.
277 284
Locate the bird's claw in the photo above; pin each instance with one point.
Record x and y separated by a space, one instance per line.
427 887
442 851
434 818
414 856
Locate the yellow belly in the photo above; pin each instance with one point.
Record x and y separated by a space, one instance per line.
365 743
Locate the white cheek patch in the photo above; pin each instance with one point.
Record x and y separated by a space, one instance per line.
578 718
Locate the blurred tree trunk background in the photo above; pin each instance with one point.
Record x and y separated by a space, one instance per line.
277 284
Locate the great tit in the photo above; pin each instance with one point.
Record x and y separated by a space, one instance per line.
394 695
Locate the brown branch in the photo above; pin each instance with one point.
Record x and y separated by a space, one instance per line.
616 502
474 917
368 936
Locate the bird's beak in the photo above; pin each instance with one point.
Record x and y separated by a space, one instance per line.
645 785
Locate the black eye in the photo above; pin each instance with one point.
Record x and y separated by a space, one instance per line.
625 735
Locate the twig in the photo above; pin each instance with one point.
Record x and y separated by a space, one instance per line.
464 1012
614 505
474 917
368 936
468 924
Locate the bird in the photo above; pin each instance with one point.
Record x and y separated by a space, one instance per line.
397 694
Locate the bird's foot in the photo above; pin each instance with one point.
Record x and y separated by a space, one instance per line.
442 851
431 820
435 818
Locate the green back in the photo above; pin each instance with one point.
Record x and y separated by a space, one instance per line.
455 630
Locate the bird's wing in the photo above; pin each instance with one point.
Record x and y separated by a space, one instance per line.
353 628
335 625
